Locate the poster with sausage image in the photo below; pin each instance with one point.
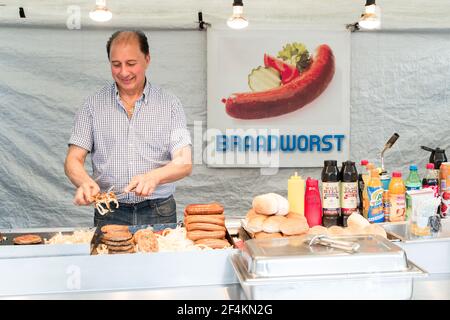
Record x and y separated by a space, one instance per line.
277 98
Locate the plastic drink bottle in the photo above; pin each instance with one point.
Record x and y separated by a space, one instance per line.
431 179
444 172
369 167
375 196
313 205
349 191
361 184
397 198
444 177
330 194
385 180
411 183
296 194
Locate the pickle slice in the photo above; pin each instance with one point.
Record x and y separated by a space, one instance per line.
263 78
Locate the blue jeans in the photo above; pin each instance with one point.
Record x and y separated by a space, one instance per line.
154 211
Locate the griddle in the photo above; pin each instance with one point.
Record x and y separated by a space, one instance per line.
11 235
10 250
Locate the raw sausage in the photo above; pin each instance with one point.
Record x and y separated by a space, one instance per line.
218 219
209 208
214 243
289 97
204 226
200 234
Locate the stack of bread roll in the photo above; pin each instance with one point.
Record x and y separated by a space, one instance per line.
357 224
205 225
270 218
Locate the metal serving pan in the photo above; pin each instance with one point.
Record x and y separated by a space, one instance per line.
291 268
10 250
356 286
293 256
429 252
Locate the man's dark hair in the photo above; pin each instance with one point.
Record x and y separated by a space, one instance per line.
142 38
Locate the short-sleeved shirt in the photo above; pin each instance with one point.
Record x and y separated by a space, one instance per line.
123 147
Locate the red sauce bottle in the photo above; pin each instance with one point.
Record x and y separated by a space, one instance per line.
313 203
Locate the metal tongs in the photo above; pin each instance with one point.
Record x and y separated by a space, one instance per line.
324 240
120 195
387 146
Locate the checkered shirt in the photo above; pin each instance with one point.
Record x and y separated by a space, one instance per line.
122 148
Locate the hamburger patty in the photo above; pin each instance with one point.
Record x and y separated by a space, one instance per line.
119 252
146 240
27 239
117 236
118 243
114 228
120 248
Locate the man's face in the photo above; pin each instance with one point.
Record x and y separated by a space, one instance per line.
128 65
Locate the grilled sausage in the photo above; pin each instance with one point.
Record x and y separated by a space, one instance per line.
289 97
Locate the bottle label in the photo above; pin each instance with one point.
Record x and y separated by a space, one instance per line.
397 207
375 213
360 194
434 187
408 200
386 205
443 185
330 198
445 204
349 197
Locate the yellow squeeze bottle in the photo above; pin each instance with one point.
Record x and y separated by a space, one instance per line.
296 194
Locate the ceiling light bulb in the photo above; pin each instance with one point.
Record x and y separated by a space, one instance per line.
101 12
237 20
371 19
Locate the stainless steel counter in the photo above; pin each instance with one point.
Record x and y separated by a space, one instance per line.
433 287
175 276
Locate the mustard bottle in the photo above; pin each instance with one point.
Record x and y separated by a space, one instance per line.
296 194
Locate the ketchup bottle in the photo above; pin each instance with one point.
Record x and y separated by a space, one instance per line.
313 204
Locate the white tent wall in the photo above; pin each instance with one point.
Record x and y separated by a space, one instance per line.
400 82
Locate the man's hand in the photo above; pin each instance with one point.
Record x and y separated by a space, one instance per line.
143 185
85 193
74 168
180 166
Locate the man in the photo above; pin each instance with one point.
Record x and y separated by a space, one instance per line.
138 140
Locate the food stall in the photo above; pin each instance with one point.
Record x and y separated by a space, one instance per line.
392 268
288 245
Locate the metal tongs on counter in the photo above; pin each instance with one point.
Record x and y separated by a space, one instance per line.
347 246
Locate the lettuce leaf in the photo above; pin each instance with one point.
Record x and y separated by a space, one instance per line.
295 54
